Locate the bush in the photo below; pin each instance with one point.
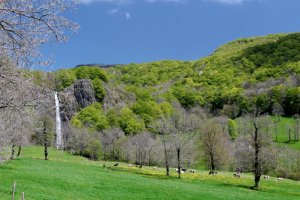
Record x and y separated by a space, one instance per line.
94 149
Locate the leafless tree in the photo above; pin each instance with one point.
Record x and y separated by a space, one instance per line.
108 139
277 111
216 144
141 144
26 25
79 141
163 128
254 150
288 162
182 125
20 100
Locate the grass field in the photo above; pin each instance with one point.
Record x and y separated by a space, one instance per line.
71 177
283 127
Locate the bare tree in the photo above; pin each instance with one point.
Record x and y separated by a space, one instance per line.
277 111
79 141
20 100
216 144
254 151
141 143
163 128
109 138
182 125
26 25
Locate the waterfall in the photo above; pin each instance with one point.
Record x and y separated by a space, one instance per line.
58 123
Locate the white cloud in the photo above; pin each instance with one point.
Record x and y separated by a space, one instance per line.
121 5
119 12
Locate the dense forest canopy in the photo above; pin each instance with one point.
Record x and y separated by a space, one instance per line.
265 68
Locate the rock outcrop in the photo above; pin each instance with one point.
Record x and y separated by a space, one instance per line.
79 95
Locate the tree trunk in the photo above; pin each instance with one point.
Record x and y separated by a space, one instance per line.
12 157
178 162
149 161
19 151
166 158
256 179
212 162
276 137
46 150
45 141
257 171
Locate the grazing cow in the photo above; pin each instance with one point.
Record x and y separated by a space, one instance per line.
212 173
116 164
192 171
181 170
238 175
266 176
280 179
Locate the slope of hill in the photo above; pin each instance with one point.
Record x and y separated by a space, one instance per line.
265 69
71 177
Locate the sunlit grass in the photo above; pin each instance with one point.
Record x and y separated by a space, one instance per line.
66 176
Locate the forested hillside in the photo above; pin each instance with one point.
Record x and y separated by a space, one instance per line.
199 114
266 68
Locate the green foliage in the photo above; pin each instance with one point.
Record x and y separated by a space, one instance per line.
285 49
94 149
92 117
112 118
166 109
232 129
187 97
149 110
64 78
255 72
129 123
99 89
45 131
142 94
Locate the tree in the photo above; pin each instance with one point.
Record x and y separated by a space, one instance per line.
277 111
26 25
182 125
215 144
232 129
254 151
20 102
141 143
79 140
94 149
108 139
162 127
44 133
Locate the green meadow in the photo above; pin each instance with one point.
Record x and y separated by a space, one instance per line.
70 177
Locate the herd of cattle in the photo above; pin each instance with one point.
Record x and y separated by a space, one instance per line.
183 170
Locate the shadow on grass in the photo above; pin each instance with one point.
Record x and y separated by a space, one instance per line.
240 186
144 173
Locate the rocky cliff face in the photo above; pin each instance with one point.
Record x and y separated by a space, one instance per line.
79 95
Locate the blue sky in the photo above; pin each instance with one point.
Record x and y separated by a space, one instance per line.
127 31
